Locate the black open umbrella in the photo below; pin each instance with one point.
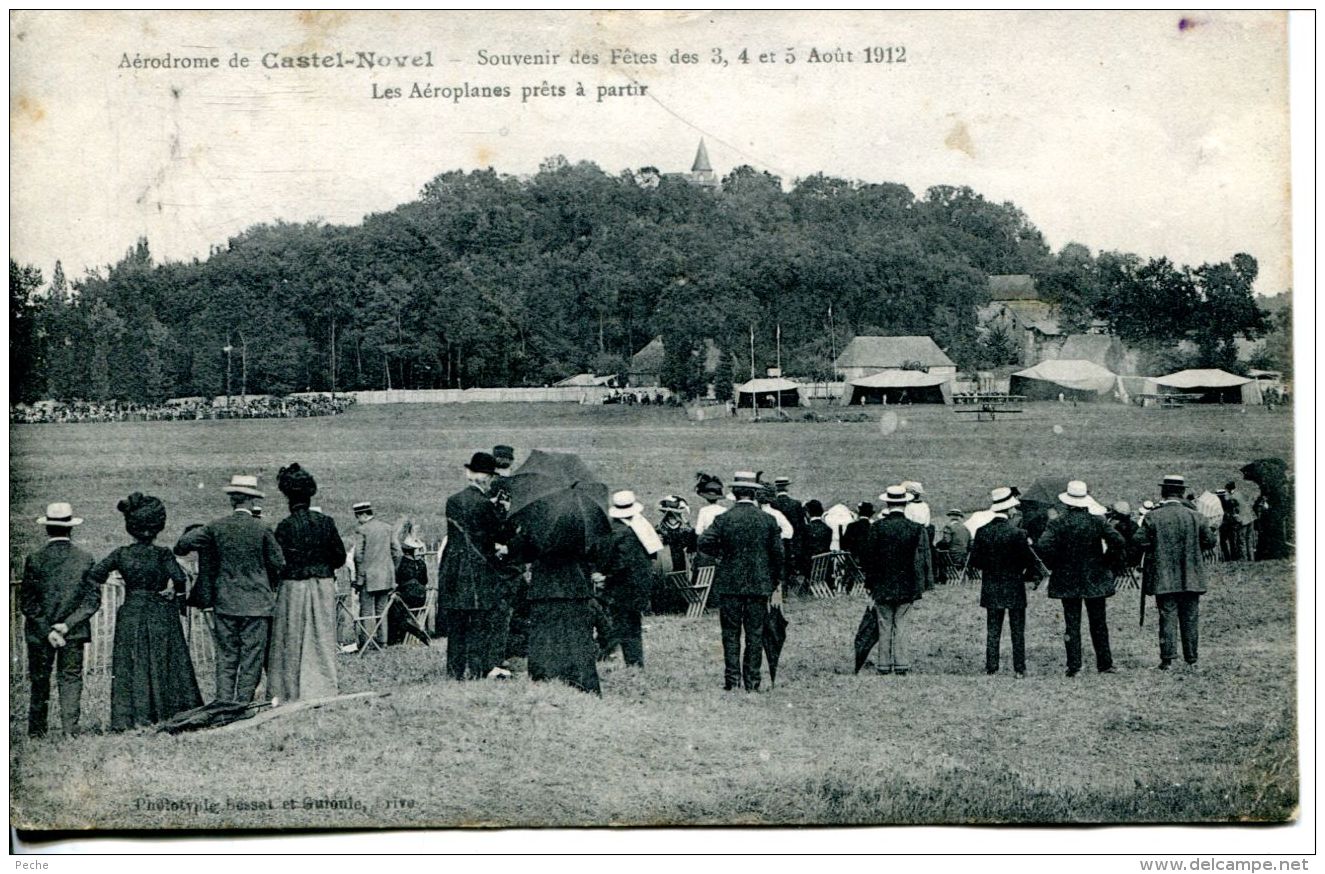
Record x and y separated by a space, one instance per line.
558 503
867 636
775 635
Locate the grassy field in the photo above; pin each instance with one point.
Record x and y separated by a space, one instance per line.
666 745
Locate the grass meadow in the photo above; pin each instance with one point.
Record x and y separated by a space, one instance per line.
666 745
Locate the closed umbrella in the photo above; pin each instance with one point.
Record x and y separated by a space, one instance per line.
775 635
867 636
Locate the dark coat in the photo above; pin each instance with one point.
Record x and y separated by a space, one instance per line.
628 568
312 546
56 589
854 538
560 556
1072 547
818 538
792 509
747 544
412 581
1172 537
248 559
471 576
897 560
1004 558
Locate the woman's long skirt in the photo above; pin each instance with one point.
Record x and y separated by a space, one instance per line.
561 643
152 674
302 660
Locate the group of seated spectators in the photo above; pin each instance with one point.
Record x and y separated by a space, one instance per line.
642 397
193 409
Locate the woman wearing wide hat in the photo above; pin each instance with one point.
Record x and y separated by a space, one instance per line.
302 659
152 677
627 569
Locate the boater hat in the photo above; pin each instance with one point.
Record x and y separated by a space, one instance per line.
747 481
781 481
624 505
482 462
60 514
956 513
1173 481
240 484
1001 499
1076 495
895 495
362 507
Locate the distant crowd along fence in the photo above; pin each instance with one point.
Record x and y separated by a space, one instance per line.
573 394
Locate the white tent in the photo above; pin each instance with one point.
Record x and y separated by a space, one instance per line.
1077 376
768 392
900 386
1217 386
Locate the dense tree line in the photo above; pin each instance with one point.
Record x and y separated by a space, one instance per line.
488 279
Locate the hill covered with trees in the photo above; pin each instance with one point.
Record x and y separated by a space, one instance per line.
488 279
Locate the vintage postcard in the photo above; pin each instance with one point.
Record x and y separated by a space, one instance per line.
531 419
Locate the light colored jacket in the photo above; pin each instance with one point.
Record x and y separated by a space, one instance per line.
377 554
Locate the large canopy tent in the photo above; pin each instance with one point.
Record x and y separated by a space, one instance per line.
900 387
768 393
1214 386
1075 378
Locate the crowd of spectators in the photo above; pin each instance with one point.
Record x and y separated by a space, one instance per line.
182 410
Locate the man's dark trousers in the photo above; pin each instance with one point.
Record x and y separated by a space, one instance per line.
1099 632
628 631
241 647
68 659
994 637
476 642
737 613
1177 609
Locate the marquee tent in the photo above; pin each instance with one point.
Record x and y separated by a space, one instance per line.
1075 378
900 387
768 393
1214 386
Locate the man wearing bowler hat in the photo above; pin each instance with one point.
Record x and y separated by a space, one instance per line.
471 584
747 544
57 601
1073 548
247 560
1173 536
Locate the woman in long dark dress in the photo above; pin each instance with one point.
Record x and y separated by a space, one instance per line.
152 676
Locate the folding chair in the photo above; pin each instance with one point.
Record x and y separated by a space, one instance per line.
366 627
950 572
969 574
696 593
821 575
1126 579
1210 556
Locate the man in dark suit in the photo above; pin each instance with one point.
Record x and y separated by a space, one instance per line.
1174 538
1073 547
897 571
1004 558
248 563
797 557
855 535
57 601
747 544
471 585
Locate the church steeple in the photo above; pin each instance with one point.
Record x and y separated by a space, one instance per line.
702 159
701 172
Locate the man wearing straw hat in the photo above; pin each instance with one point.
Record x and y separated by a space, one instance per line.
747 544
1004 558
1173 537
897 571
57 601
1073 547
471 584
247 560
377 554
627 574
